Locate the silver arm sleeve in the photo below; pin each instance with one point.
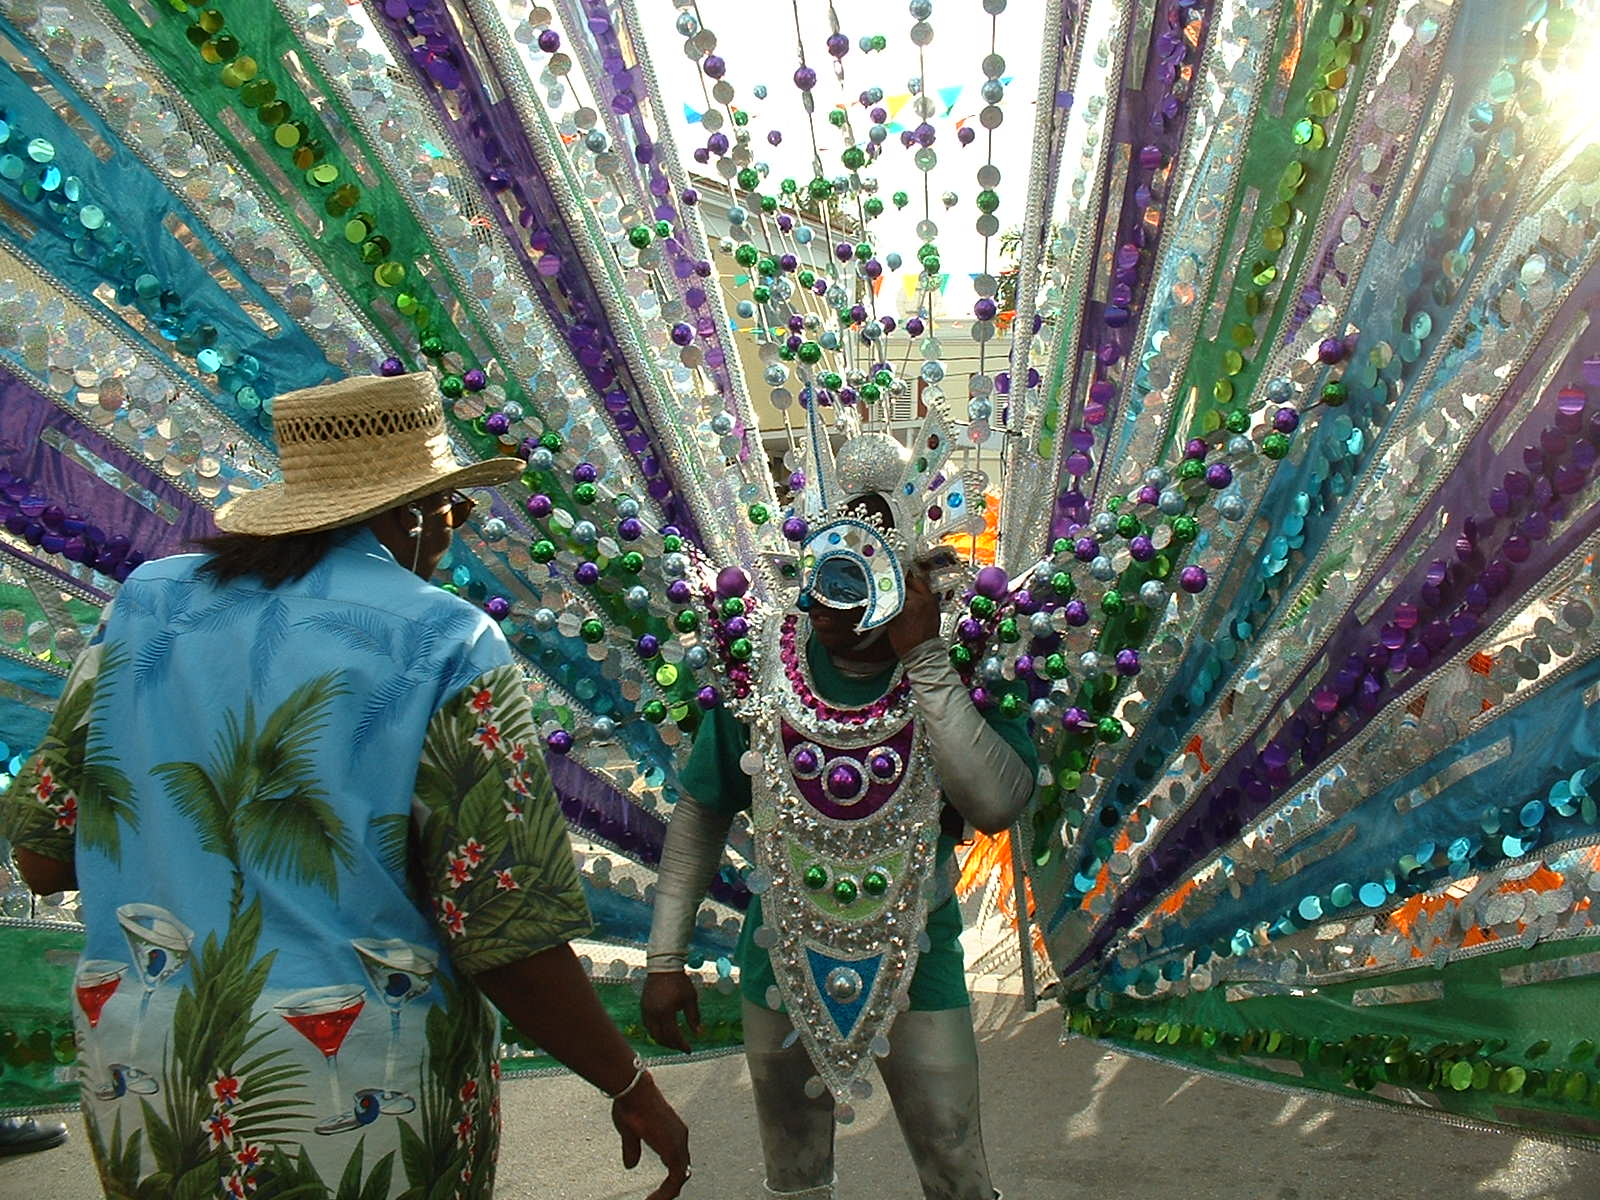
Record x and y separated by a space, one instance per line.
689 858
982 775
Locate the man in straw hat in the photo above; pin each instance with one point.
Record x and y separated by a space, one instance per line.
302 790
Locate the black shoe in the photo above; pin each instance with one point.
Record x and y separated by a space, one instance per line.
24 1135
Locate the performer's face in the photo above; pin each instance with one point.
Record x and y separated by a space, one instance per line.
835 628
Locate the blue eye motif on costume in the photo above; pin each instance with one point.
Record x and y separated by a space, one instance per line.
854 566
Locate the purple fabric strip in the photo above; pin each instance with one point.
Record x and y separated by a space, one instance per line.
1471 574
50 496
493 142
594 805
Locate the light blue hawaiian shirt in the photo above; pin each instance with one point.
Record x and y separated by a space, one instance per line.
302 818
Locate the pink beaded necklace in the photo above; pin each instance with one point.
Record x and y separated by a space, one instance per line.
796 670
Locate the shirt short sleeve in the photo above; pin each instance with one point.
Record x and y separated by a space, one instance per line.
40 811
712 777
492 841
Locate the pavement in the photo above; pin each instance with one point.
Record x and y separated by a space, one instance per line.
1062 1122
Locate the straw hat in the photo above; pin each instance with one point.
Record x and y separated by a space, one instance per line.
355 448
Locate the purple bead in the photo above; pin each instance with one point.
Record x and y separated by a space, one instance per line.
735 627
497 607
872 268
1148 494
1286 420
858 313
991 582
559 741
887 322
679 591
714 66
1127 662
805 761
1195 448
691 196
966 135
805 79
1086 549
1192 579
795 528
971 630
475 380
844 251
648 645
391 366
915 326
985 309
1330 351
838 45
629 529
707 697
844 781
585 473
882 766
539 506
1218 475
497 423
549 41
774 137
732 581
717 143
587 573
1142 548
981 697
1076 612
789 262
682 334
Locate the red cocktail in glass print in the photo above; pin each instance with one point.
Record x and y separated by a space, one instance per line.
97 981
323 1016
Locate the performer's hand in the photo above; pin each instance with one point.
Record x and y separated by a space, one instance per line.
918 619
644 1116
666 994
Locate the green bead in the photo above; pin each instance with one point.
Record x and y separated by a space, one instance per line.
761 294
1008 630
1275 445
961 656
869 392
875 883
820 188
988 201
1237 421
654 711
258 92
740 649
432 345
931 264
769 204
551 441
844 891
901 199
663 229
1108 729
1184 529
854 158
672 543
831 380
788 187
1061 546
585 493
809 352
1112 602
807 278
873 207
542 551
816 877
1191 468
733 606
767 266
758 514
592 631
982 606
1335 392
1128 526
1061 583
639 236
746 255
1055 666
632 562
1011 705
883 378
749 179
863 251
452 386
686 620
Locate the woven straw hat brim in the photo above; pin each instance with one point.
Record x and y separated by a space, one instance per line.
272 510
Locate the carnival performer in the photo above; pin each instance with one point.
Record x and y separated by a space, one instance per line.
302 792
863 756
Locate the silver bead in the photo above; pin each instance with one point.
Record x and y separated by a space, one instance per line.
722 423
1040 625
586 533
1104 524
1102 569
1156 477
604 729
674 565
1172 502
1089 662
1152 593
637 598
992 91
596 141
1043 710
627 507
776 375
1231 506
697 657
872 331
1239 445
544 619
494 529
992 668
541 459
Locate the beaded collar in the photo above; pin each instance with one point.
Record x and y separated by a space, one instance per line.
797 670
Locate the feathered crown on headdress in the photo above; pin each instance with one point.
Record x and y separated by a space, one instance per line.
846 556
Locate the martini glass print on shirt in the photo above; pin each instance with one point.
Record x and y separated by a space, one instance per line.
160 945
323 1016
399 972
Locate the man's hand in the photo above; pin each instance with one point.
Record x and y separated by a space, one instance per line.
666 994
644 1116
918 620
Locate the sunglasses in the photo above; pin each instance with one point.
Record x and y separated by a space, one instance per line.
458 507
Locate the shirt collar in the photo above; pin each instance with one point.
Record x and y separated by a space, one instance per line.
359 539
